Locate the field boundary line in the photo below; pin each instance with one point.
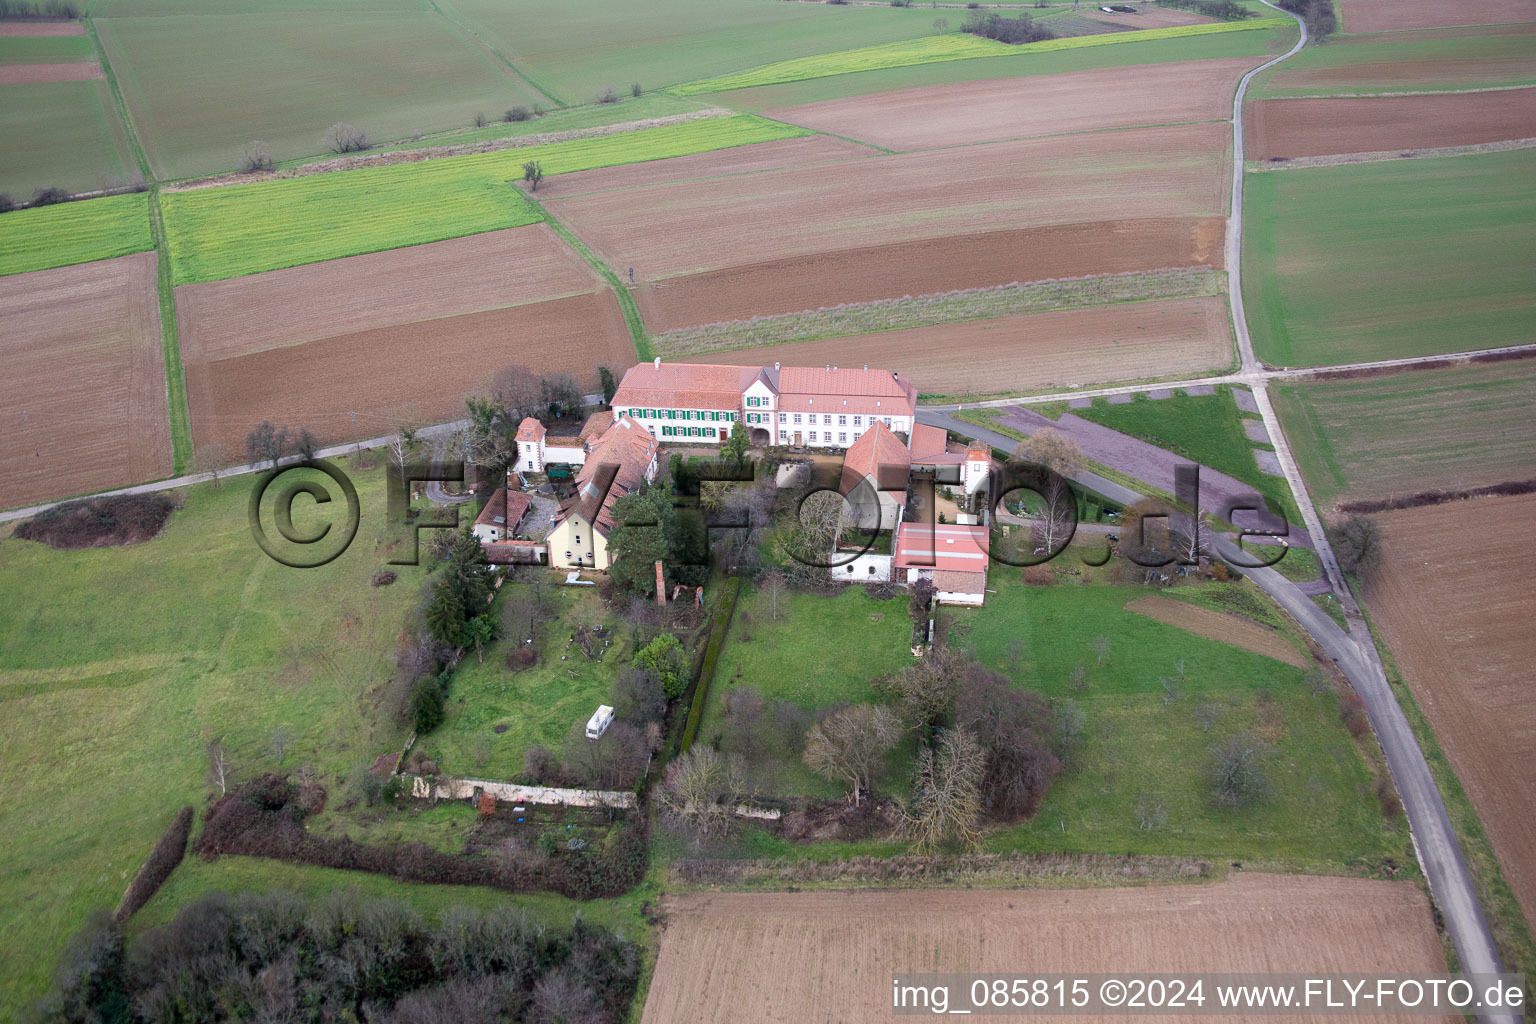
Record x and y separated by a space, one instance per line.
175 375
644 351
474 36
1300 163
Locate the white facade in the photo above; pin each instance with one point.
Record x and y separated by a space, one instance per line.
683 426
832 429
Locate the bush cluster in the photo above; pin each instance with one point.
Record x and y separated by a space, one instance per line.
1226 10
65 9
265 818
163 859
992 25
100 522
277 956
1508 487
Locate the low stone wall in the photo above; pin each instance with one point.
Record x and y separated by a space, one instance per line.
467 789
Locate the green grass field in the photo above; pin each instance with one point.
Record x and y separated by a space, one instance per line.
593 115
1123 54
1138 748
1207 429
941 48
201 86
536 706
127 661
45 49
1400 258
232 230
60 135
57 236
1371 438
574 48
1374 62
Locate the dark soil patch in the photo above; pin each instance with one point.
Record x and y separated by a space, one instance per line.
100 522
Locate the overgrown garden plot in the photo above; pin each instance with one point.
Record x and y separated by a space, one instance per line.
1399 258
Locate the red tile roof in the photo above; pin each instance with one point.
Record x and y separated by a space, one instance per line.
878 453
927 441
844 390
530 430
615 466
510 506
948 547
684 386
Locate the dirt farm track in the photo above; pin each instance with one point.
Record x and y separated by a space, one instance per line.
1453 599
828 957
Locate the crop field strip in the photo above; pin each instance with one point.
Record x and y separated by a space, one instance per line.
1401 433
57 236
1425 60
1323 126
242 229
84 380
1335 267
1386 15
1464 646
735 958
940 49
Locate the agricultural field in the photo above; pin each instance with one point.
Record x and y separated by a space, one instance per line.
227 231
1463 647
953 115
1387 15
1036 352
200 86
740 957
45 49
573 50
84 381
1456 428
805 214
131 660
1423 60
1281 129
58 134
939 49
1334 259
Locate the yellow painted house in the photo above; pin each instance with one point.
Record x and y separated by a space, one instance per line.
621 461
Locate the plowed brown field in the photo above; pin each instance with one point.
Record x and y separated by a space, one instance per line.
697 226
33 74
1453 599
1012 108
84 382
41 28
929 266
384 289
1385 15
1320 127
828 957
1125 341
762 156
1223 628
1406 74
420 370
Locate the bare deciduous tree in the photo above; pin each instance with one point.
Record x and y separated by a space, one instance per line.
1237 773
1057 510
1151 812
402 446
1050 448
1101 646
850 744
533 173
1206 714
1357 543
220 772
701 790
946 800
1080 676
266 443
281 738
773 586
254 157
343 138
212 458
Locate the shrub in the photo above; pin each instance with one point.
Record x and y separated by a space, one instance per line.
107 521
7 204
1357 542
384 577
163 859
608 95
255 157
49 197
479 119
515 114
426 706
1352 714
1021 29
1237 772
538 110
634 90
665 657
343 138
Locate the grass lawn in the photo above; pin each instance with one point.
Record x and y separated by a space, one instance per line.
59 135
119 665
575 48
818 652
228 231
1013 65
57 236
1466 426
947 47
200 86
1399 258
1324 814
537 705
1207 429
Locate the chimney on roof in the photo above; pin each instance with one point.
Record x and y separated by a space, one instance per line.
658 362
661 587
866 367
775 367
829 367
894 374
834 368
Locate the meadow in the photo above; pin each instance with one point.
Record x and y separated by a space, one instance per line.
563 119
229 231
1207 429
60 135
942 48
201 86
1466 426
1398 258
128 661
572 49
68 233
